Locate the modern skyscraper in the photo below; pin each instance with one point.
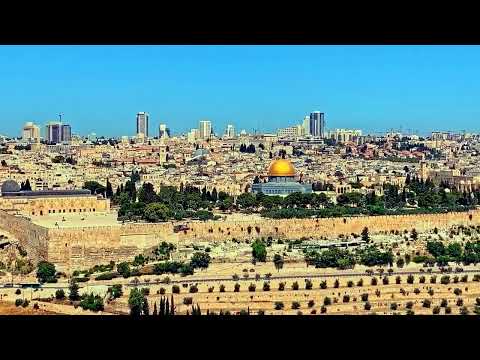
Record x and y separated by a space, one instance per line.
306 125
317 124
56 132
142 123
31 132
230 131
205 129
163 131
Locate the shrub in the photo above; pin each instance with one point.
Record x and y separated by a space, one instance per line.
18 292
18 302
279 305
346 298
193 289
455 279
92 302
367 306
444 303
416 291
448 310
459 302
464 278
426 303
364 297
281 286
360 282
410 312
235 277
187 300
266 286
433 279
323 309
211 288
374 281
222 288
252 287
35 306
422 279
409 304
377 293
393 306
457 291
25 303
60 294
398 280
336 284
308 284
476 277
105 276
176 289
311 303
410 279
295 305
323 284
236 287
430 292
327 301
350 283
445 279
385 280
295 286
464 310
313 312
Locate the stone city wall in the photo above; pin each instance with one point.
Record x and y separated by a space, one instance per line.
80 248
32 238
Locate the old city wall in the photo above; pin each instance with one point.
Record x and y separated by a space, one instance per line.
33 238
79 248
298 228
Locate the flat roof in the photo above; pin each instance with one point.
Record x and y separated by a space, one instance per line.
49 193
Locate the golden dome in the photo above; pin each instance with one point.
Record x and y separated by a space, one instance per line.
281 167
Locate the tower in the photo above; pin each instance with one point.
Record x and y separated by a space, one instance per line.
142 123
317 124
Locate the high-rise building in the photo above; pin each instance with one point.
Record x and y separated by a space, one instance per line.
163 131
317 124
230 131
306 125
142 123
205 129
193 135
31 132
56 132
66 133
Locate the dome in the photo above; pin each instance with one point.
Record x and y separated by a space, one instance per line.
10 186
281 167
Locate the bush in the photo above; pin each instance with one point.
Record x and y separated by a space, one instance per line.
323 309
266 286
346 298
313 312
459 302
187 300
457 291
35 306
105 276
210 289
385 280
464 310
433 279
409 305
426 303
350 283
327 301
422 279
464 278
279 305
336 284
175 289
445 279
444 303
252 287
416 291
360 282
222 288
367 306
374 281
193 289
393 306
311 303
323 284
18 302
92 302
410 279
236 287
476 277
308 284
410 312
60 294
235 277
18 292
448 310
281 286
295 305
25 303
398 280
430 292
455 279
364 297
295 286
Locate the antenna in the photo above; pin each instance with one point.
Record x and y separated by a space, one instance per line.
60 116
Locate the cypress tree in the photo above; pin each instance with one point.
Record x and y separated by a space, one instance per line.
172 308
167 307
162 306
109 190
214 195
155 308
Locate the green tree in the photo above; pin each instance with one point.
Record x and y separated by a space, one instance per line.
156 212
124 269
136 302
109 190
73 291
365 235
46 272
200 260
259 251
278 261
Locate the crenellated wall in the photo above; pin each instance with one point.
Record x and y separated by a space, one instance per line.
83 247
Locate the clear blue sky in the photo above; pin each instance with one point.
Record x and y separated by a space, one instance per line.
101 88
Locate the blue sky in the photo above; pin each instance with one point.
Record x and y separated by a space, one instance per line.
375 88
